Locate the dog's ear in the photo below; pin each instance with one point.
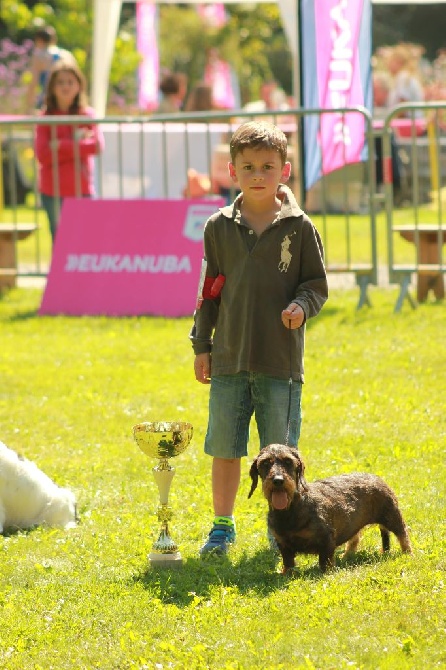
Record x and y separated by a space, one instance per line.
254 474
300 479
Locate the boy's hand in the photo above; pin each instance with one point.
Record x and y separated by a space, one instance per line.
202 367
293 316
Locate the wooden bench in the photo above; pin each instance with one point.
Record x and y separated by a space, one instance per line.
429 239
10 233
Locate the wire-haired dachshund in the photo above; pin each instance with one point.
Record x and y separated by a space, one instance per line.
316 518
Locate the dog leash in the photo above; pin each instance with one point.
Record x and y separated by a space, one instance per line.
290 385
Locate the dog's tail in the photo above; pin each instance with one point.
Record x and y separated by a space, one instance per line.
254 474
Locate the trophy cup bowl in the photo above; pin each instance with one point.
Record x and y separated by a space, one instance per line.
163 440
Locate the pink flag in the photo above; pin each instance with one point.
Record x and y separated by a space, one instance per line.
147 47
214 15
217 74
336 57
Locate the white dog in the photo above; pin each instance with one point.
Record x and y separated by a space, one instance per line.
29 498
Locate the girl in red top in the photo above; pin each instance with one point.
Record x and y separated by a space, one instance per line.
65 153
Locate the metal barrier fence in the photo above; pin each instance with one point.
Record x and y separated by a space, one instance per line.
169 157
416 233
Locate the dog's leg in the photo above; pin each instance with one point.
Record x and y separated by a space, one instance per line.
352 544
394 523
385 538
327 559
402 538
287 559
404 541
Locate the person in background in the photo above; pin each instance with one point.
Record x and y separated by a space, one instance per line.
200 99
263 278
382 84
45 54
406 84
173 87
65 152
273 98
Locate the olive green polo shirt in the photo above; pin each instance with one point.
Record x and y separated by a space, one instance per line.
243 327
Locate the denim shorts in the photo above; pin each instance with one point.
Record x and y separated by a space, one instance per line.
233 399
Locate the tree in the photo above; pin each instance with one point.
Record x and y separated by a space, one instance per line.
184 41
423 23
252 41
73 21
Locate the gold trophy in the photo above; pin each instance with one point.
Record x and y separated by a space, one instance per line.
163 440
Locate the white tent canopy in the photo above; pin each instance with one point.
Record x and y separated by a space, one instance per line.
106 15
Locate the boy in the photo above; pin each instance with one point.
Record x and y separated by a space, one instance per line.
264 277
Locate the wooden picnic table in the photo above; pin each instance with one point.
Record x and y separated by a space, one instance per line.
10 233
429 239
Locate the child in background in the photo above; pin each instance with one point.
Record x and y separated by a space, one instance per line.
45 54
173 87
65 153
263 278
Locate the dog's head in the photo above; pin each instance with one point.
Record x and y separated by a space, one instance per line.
282 472
61 510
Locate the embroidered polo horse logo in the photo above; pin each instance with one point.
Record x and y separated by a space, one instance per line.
285 255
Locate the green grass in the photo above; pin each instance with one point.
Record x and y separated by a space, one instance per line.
70 391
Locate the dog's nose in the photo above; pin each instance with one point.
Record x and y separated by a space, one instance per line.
278 480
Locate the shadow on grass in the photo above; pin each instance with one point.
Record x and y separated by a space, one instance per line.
19 304
23 316
258 573
12 532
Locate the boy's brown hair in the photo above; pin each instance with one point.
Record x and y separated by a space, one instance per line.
258 135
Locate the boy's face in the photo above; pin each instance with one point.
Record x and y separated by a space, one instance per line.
258 172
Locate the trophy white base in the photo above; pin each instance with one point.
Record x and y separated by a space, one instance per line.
165 560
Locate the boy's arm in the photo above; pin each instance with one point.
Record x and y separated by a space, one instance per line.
206 313
202 367
205 319
293 316
312 291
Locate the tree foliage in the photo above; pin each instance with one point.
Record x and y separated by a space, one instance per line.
252 40
184 39
73 21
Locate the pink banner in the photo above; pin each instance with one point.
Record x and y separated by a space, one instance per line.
338 24
218 74
146 43
214 14
127 257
